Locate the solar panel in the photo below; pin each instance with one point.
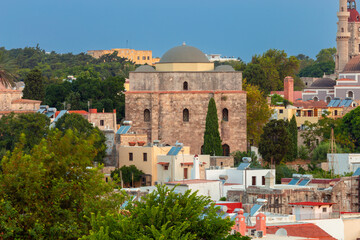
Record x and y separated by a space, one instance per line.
49 114
342 103
41 110
255 209
294 181
243 166
62 113
348 103
174 151
357 172
304 182
336 103
331 103
123 129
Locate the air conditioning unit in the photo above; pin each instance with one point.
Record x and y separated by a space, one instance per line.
259 234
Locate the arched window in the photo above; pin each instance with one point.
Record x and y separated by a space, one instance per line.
226 150
225 115
202 149
342 29
186 115
342 9
350 94
146 115
316 99
185 86
328 99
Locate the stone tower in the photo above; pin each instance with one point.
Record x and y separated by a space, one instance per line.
342 37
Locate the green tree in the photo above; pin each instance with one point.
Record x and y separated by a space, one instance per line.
35 127
293 131
212 140
51 192
164 214
275 141
8 70
350 127
258 112
83 129
34 86
321 151
128 173
326 55
310 135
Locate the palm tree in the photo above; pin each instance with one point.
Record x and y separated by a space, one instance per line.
8 70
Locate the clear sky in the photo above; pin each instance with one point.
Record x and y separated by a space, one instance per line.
239 28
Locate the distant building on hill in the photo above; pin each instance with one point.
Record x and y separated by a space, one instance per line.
137 56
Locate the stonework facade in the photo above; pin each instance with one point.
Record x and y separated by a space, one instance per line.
11 101
137 56
171 106
348 33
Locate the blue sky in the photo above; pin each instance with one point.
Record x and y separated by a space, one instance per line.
239 28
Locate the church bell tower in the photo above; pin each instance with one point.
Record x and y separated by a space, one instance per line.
343 35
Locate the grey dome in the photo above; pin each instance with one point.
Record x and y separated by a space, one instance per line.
145 68
323 83
184 54
224 68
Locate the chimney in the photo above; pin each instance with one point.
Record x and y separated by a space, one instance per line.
261 223
196 168
289 89
269 180
240 224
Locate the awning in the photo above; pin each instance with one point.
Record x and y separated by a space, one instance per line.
164 163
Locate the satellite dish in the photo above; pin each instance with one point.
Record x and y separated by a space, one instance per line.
281 232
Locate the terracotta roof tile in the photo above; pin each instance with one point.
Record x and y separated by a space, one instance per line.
307 230
25 101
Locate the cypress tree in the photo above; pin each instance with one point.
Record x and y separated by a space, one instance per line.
212 140
293 130
34 86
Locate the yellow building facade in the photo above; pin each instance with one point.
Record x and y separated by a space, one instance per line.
137 56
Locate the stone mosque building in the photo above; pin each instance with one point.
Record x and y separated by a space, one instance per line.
169 102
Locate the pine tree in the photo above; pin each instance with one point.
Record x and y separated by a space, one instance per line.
34 86
294 138
212 140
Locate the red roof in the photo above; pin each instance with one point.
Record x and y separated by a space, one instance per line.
310 104
346 79
354 15
230 205
25 101
163 163
311 203
192 181
81 112
307 230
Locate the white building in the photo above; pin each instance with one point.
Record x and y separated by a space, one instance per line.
342 163
312 210
217 57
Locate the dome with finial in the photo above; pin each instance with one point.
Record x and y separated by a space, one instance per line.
184 54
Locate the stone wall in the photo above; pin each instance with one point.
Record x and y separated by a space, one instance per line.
166 117
104 121
174 81
226 161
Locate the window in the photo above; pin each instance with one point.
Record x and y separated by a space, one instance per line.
145 157
253 180
350 94
342 29
324 209
328 99
281 110
138 58
148 58
186 115
130 156
335 113
226 150
263 180
101 122
143 58
316 99
146 115
202 149
166 167
225 115
185 86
